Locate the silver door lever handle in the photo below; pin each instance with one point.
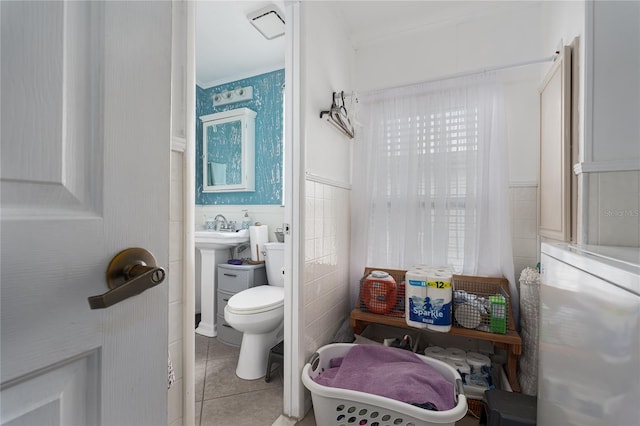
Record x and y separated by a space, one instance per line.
130 272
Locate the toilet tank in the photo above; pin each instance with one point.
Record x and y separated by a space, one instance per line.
274 263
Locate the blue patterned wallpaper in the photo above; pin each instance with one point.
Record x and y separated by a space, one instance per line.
267 103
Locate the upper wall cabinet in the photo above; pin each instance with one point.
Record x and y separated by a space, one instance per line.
228 140
554 190
612 87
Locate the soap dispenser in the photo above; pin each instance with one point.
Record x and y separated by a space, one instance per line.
246 220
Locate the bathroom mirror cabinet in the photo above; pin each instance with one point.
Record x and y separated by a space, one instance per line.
228 140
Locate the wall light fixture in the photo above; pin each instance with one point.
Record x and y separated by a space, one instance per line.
235 95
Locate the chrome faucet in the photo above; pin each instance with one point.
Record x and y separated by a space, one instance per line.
225 225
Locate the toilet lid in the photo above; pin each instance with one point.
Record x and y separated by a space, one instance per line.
257 299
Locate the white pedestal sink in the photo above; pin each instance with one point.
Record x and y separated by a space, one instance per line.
215 247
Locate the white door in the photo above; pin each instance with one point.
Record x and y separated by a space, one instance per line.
84 174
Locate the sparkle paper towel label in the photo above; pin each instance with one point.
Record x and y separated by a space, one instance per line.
428 310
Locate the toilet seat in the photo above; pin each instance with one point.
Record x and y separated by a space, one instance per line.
254 300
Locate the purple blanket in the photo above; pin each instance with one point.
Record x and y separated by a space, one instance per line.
390 372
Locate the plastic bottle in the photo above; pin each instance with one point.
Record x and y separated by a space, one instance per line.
246 220
379 292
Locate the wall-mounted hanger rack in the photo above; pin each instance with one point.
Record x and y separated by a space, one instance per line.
338 115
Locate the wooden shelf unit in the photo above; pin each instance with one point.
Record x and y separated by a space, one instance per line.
511 341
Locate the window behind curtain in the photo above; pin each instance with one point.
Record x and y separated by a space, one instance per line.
430 179
455 132
449 135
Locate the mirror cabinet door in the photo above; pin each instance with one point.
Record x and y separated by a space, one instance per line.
229 151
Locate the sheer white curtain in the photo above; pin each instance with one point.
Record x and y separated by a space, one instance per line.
430 182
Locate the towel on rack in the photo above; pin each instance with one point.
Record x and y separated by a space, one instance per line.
392 373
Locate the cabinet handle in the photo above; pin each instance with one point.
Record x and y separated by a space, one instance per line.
229 275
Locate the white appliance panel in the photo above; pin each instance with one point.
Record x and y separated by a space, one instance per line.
589 347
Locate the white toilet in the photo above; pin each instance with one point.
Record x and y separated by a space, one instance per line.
259 313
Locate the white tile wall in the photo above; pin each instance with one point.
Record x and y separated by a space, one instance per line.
326 274
614 206
524 227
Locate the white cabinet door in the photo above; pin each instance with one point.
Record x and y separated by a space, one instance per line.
228 151
612 86
85 174
554 189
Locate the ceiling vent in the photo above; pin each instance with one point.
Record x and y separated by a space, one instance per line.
269 21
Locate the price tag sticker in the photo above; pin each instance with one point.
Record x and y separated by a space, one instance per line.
439 284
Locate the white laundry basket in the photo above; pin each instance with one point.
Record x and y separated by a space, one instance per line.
334 406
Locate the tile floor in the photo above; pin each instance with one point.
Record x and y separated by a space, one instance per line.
222 399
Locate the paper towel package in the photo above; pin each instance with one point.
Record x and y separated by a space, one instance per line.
429 298
480 364
258 236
